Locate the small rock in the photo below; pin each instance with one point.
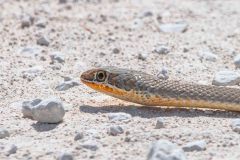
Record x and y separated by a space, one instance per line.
195 146
57 57
4 133
145 13
163 74
78 136
11 150
41 23
120 116
236 125
65 156
48 111
174 27
31 73
43 41
160 123
27 107
62 1
66 85
161 49
115 130
208 56
91 145
142 56
226 78
30 51
165 150
237 61
26 22
116 51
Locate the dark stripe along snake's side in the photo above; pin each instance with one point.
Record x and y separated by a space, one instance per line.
146 89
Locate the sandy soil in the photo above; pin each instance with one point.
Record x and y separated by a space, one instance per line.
87 32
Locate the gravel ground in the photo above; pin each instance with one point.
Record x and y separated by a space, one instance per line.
46 45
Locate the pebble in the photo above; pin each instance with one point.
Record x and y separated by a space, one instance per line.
27 107
195 146
235 125
78 136
66 85
165 150
11 150
136 24
43 41
120 116
159 123
65 156
174 27
26 22
142 56
31 73
115 130
116 51
90 145
41 23
208 56
161 49
30 51
163 74
4 133
57 57
145 13
237 61
46 111
226 78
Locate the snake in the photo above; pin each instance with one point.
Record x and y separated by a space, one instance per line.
149 90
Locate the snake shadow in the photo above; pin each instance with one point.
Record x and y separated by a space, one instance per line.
151 112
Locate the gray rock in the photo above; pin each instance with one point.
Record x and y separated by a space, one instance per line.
90 145
145 13
27 107
226 78
142 56
235 125
65 156
159 123
43 41
62 1
208 56
115 130
41 23
31 73
120 116
174 27
48 111
66 85
136 24
78 136
26 22
237 61
11 150
195 146
57 57
165 150
30 51
116 51
163 74
4 133
161 49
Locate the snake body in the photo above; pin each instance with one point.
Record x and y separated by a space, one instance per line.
146 89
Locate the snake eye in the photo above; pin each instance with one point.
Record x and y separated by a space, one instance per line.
100 76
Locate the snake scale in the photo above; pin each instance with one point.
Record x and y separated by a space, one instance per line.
146 89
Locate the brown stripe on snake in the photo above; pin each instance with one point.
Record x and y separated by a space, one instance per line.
146 89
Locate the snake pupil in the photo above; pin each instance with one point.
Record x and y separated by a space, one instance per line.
100 76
